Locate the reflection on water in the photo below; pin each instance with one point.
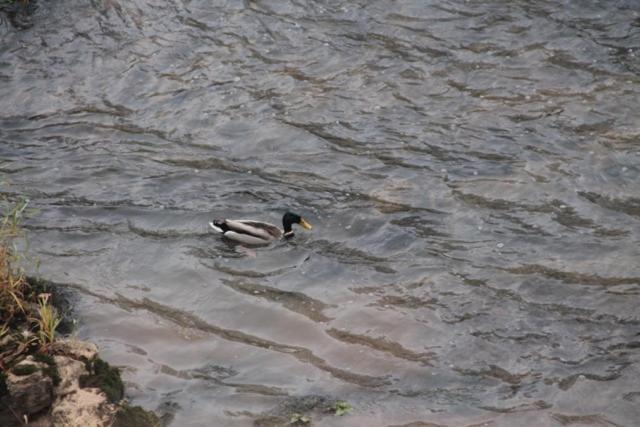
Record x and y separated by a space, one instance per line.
470 168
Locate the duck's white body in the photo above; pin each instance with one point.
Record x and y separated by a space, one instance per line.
248 231
257 232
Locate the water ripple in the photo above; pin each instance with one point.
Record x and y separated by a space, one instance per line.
470 170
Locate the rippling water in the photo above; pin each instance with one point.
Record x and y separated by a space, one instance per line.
471 170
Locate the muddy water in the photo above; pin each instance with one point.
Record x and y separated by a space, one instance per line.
470 169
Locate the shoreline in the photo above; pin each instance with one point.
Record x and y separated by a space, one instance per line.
46 377
65 383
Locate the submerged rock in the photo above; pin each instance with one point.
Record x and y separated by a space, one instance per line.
135 416
294 410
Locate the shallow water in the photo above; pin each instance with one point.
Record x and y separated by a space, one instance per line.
470 169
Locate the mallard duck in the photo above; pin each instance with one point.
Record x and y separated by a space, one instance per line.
258 232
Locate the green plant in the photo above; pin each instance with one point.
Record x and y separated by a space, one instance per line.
48 320
5 3
297 418
3 384
11 222
24 369
13 284
28 321
105 377
44 358
51 370
135 416
342 408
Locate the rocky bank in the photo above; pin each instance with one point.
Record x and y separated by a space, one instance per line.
69 386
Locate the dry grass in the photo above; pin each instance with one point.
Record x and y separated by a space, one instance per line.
13 283
28 321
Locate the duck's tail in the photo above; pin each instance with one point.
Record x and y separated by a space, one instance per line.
219 225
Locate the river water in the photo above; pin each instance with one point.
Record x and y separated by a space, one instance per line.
471 169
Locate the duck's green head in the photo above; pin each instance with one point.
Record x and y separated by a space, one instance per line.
291 218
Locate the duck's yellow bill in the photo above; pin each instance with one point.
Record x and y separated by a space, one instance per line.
305 224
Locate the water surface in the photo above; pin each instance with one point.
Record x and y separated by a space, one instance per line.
470 169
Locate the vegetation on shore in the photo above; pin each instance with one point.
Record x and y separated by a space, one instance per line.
4 3
29 323
19 12
28 320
